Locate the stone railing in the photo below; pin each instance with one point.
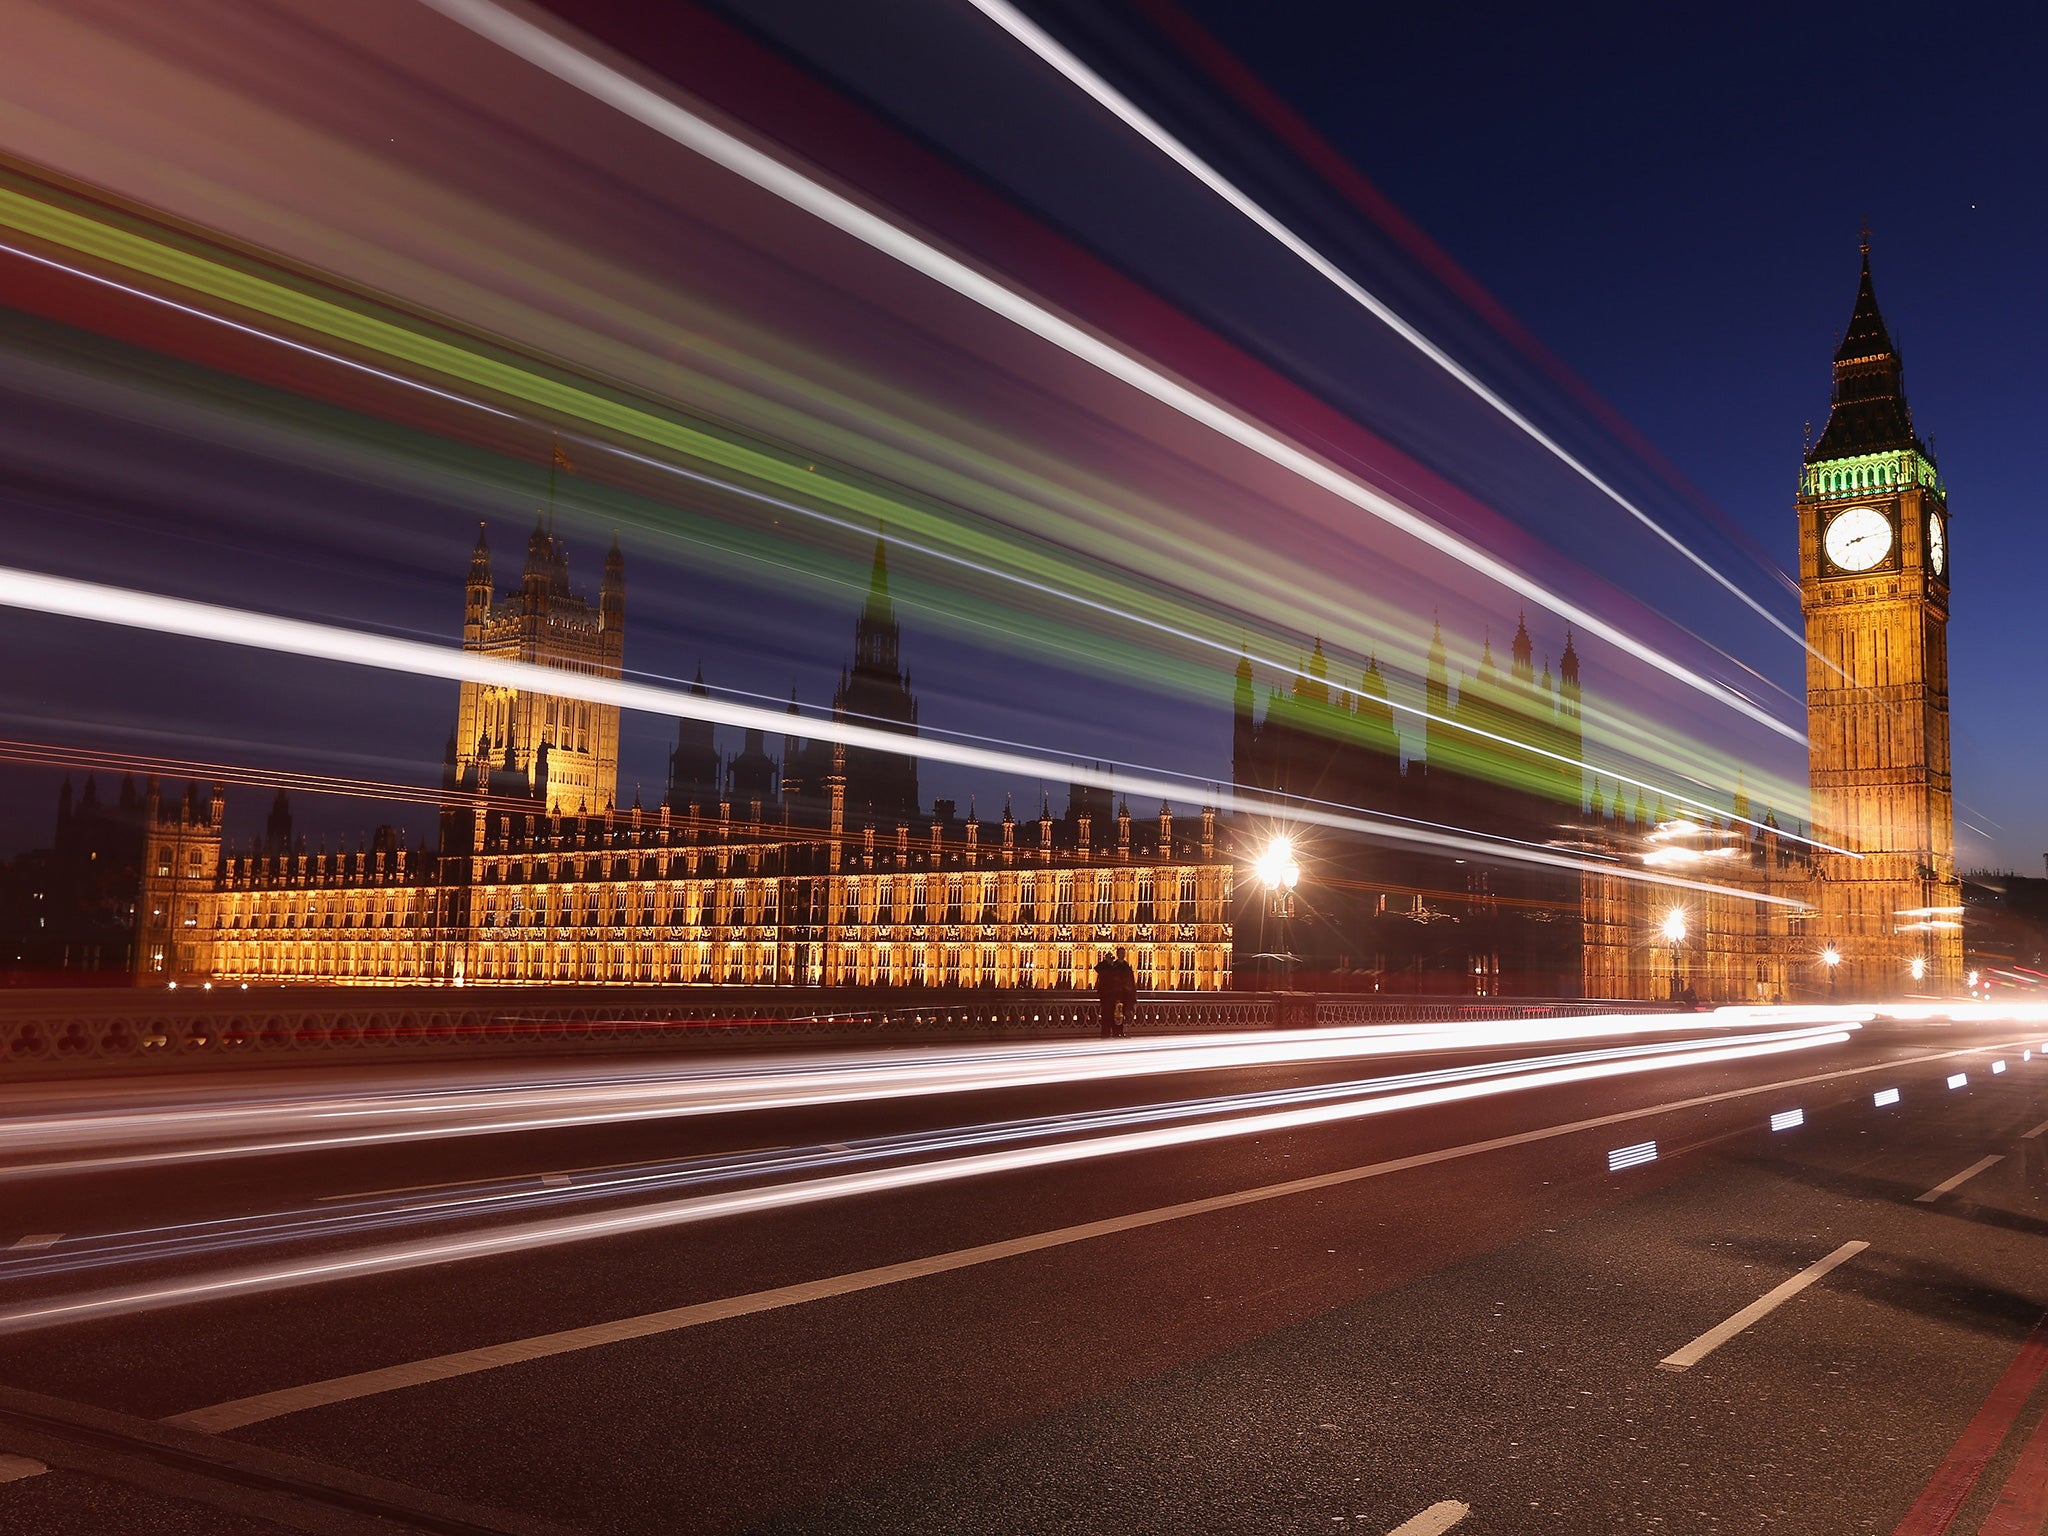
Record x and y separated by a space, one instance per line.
55 1033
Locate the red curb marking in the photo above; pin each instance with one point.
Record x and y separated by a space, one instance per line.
2022 1507
1979 1442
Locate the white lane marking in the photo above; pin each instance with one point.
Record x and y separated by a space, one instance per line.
39 1240
1685 1359
1959 1080
1631 1157
1433 1521
1885 1096
1788 1119
1998 1066
555 1180
243 1411
1968 1173
2037 1130
14 1468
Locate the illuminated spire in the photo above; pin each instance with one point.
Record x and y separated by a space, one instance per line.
1869 412
879 609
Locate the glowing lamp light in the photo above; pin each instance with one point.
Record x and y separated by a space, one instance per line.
1919 968
1276 867
1973 978
1674 925
1831 957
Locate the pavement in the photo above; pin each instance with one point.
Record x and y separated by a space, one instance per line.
1312 1283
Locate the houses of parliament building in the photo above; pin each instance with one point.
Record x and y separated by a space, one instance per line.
815 864
820 866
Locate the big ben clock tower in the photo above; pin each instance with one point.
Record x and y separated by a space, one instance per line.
1874 587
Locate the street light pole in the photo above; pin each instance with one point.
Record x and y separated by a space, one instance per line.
1674 935
1279 872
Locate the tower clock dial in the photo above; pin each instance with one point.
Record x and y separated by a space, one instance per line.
1858 538
1937 544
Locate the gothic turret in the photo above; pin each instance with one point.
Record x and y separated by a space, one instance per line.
881 786
611 600
694 776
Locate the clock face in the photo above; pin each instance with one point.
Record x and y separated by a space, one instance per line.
1858 538
1937 544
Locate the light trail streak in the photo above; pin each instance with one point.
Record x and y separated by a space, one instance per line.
1221 648
240 287
67 597
326 1121
1065 62
322 353
558 57
367 1214
528 1236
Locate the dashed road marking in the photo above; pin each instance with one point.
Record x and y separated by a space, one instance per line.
14 1468
1433 1521
39 1240
1950 1183
239 1412
1685 1359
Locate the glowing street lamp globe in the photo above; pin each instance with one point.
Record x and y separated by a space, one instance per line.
1919 968
1276 867
1674 925
1831 957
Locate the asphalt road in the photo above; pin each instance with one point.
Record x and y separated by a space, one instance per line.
1065 1289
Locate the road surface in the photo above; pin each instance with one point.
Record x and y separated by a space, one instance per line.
1334 1281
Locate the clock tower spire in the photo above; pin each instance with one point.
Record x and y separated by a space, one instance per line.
1874 587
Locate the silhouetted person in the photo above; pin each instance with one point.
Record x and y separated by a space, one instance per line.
1126 994
1109 996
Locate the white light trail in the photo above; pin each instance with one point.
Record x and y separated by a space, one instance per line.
294 1121
1062 59
570 64
526 1236
373 1212
66 597
930 551
249 330
1419 712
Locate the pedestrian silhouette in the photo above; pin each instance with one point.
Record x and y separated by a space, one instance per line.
1109 995
1126 994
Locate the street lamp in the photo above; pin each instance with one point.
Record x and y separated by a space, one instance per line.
1279 872
1831 957
1919 967
1674 935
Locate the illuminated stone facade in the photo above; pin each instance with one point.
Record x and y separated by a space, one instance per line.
1748 939
1500 757
659 897
1874 586
817 869
1877 912
565 751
